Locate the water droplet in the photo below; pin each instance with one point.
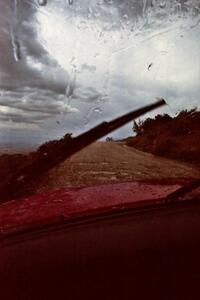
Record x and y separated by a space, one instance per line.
98 110
90 10
162 4
21 178
71 86
164 52
14 39
70 2
150 66
42 2
15 6
16 48
144 6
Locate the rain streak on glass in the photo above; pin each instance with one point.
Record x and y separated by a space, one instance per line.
16 48
14 36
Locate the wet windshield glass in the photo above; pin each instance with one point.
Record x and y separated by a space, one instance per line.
66 66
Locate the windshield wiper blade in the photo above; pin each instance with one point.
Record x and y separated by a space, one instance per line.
184 190
16 185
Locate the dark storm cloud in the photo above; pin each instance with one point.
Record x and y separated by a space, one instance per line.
12 117
31 105
23 29
31 89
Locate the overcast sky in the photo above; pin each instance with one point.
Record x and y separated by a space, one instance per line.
67 65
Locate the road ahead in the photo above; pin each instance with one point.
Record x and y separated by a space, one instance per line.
105 162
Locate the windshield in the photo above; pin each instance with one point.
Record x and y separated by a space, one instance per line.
67 66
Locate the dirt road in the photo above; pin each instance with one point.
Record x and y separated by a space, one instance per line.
105 162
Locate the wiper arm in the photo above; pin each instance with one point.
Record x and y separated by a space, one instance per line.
183 190
15 186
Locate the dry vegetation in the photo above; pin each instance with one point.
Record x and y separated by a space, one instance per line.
173 137
11 163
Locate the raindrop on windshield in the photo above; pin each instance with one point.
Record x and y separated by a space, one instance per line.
70 2
150 66
16 48
70 87
42 2
98 110
14 36
162 4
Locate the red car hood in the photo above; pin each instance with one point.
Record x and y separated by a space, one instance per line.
72 203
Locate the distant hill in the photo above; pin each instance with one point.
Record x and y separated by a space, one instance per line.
173 137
